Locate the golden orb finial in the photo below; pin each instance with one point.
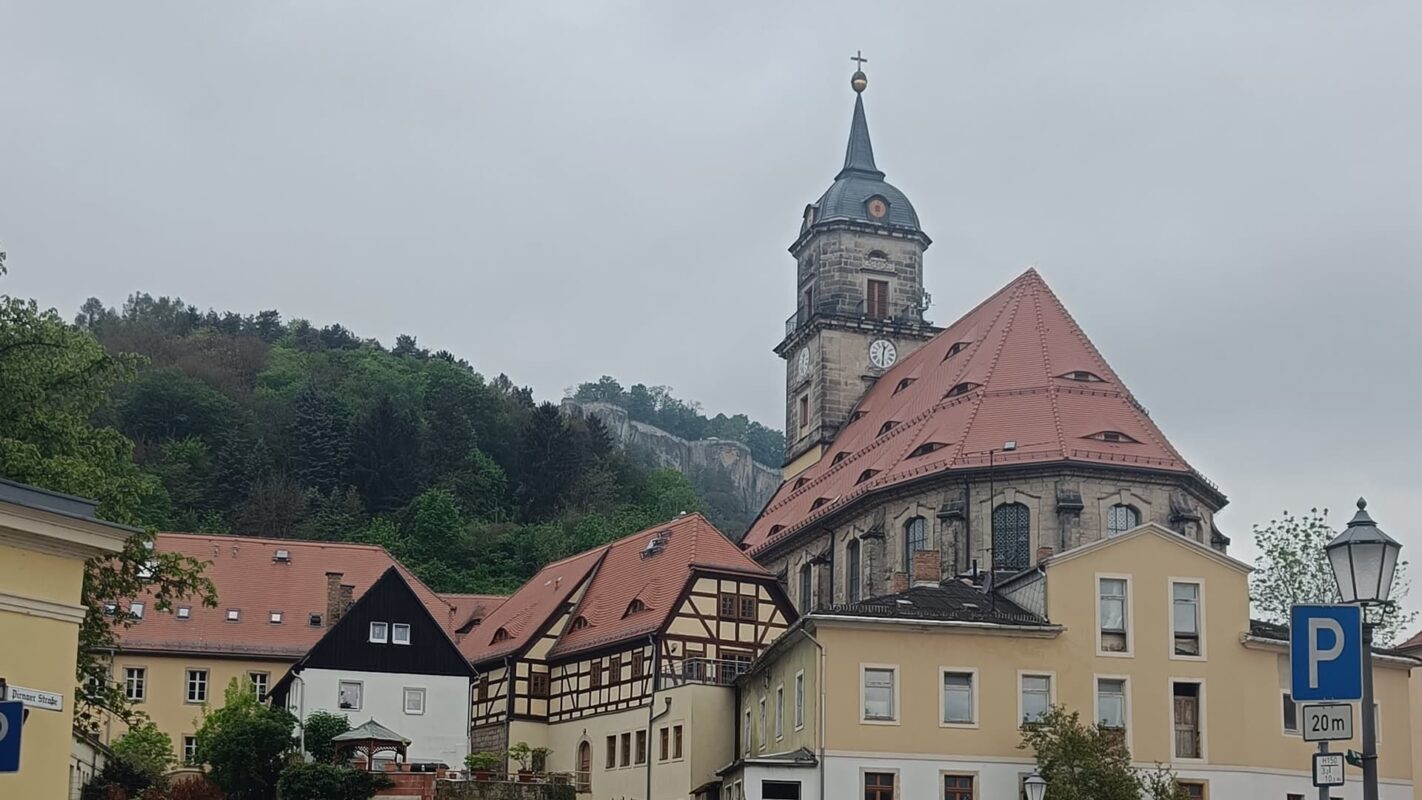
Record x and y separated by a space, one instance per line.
859 80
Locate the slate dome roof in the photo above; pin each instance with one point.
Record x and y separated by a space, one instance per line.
859 181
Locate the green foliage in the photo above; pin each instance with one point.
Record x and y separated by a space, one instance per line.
321 728
319 781
147 749
1293 568
245 744
56 378
119 778
486 760
1079 761
656 406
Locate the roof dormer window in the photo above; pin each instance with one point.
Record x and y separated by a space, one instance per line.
801 481
819 501
774 529
887 426
926 448
962 389
855 416
866 475
904 384
1115 437
580 623
635 607
501 635
955 349
838 457
1082 376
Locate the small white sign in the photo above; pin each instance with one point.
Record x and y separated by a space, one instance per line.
1327 722
35 698
1327 769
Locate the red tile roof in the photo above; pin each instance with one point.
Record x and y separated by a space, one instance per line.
469 608
616 574
1412 643
248 578
998 374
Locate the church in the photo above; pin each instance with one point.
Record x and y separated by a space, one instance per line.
990 443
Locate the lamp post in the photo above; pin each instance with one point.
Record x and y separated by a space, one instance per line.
1364 562
1035 786
1007 447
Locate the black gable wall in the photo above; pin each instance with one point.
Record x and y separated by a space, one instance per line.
347 645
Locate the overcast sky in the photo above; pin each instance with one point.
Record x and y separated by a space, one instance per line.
1225 195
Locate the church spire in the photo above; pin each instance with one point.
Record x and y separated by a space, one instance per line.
859 155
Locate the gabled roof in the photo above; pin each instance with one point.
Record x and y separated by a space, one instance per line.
470 609
616 574
1150 529
248 577
1016 368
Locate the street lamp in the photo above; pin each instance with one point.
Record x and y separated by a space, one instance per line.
1035 786
1364 562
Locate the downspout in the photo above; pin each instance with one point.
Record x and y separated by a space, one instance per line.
469 710
651 707
508 707
820 680
301 708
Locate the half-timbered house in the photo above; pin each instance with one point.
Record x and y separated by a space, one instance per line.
615 658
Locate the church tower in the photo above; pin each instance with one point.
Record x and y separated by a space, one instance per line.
859 296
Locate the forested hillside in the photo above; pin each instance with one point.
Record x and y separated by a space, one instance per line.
255 425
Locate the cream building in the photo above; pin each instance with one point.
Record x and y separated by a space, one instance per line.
45 538
921 693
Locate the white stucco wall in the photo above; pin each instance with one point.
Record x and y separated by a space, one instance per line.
439 734
751 778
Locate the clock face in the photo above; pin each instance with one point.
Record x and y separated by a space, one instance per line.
882 353
878 208
802 363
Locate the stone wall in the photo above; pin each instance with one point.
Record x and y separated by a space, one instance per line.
733 484
501 790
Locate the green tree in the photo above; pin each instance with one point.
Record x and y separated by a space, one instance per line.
168 404
319 438
147 749
245 744
1292 568
319 781
321 727
1080 761
385 457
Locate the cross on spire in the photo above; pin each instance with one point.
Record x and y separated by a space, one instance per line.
859 57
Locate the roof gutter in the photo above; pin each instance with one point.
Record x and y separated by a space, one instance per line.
1035 631
1253 642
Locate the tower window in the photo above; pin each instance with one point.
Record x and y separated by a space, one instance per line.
877 299
925 448
804 419
955 349
904 384
878 255
961 389
1083 376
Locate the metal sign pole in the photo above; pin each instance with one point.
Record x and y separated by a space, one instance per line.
1323 790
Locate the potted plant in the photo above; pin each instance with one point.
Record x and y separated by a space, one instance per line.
523 754
482 765
539 756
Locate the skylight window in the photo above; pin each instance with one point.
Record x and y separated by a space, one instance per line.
135 610
1082 376
275 618
926 448
962 389
185 612
774 529
234 615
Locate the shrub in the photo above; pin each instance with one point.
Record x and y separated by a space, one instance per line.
321 728
316 781
487 760
148 749
196 787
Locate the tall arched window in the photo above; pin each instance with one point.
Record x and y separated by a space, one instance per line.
1121 518
584 767
807 587
852 565
915 539
1011 537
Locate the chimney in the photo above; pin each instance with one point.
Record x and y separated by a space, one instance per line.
900 582
347 595
927 569
1044 554
334 609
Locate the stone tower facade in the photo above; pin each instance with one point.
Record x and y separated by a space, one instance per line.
860 298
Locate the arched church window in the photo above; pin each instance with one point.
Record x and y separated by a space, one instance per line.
1011 537
1121 518
915 539
852 565
807 587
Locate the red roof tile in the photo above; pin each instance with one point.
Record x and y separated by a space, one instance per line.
996 375
470 608
249 578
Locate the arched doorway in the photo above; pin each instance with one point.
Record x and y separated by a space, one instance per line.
584 778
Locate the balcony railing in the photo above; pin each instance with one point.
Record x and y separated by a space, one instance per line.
908 314
712 671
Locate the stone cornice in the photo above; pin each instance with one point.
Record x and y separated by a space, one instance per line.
47 609
58 534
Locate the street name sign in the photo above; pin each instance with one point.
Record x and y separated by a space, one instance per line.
1327 769
1326 652
36 698
12 716
1327 722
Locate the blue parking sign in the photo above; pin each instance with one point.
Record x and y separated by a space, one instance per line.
1326 652
12 716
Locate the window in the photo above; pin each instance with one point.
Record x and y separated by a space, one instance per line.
579 623
135 610
806 588
1291 714
379 632
635 607
414 701
804 417
1111 702
799 700
878 692
915 539
595 676
1113 615
676 741
259 682
1036 697
611 760
348 695
639 664
483 688
185 612
728 605
958 702
626 749
1082 376
780 790
961 389
925 448
614 670
780 712
1195 790
400 633
584 777
641 747
1121 518
234 614
1186 712
538 684
749 605
853 567
1011 537
664 744
197 686
1185 618
746 733
189 750
866 475
760 731
958 787
314 620
135 683
877 299
878 786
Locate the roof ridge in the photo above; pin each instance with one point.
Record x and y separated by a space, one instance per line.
1011 302
272 540
1047 365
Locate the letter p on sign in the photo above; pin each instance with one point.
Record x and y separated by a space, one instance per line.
1326 652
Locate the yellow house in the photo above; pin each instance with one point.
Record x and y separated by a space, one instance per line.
45 538
921 693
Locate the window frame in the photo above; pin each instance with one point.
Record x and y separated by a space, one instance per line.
800 700
677 742
274 617
189 748
1199 584
188 684
909 549
639 746
1051 677
396 627
624 741
1204 785
973 686
780 712
807 587
761 737
360 695
135 686
383 637
945 774
1136 512
405 700
1126 710
854 571
1129 611
663 744
893 669
1199 718
1284 720
265 684
610 758
892 772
